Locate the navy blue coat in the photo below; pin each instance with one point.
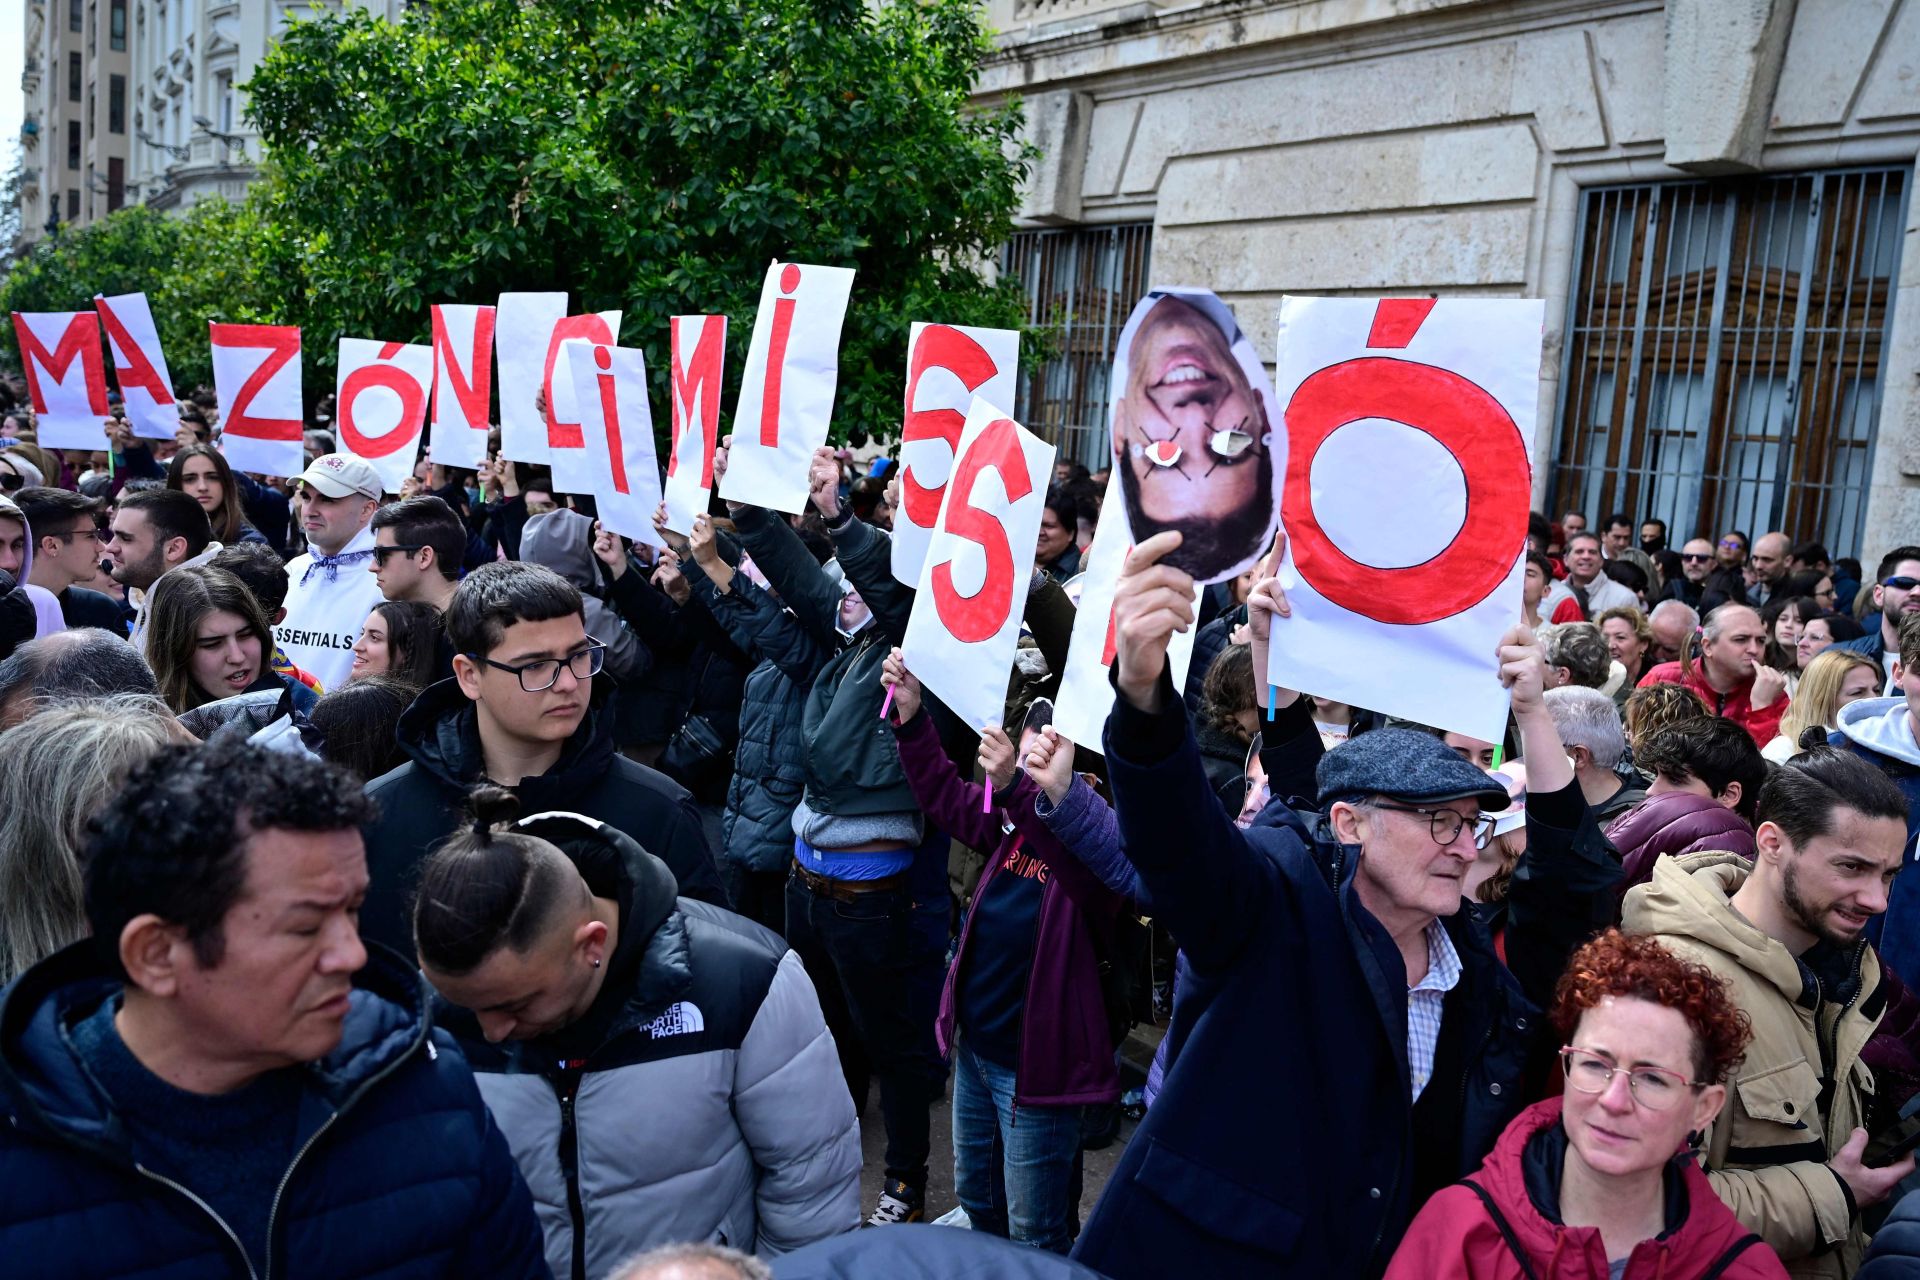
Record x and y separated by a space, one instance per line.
1281 1143
401 1173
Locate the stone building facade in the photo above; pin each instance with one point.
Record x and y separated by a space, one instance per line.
1713 197
74 130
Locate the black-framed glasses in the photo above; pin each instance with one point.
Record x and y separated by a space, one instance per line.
1902 583
1445 825
543 673
1696 557
97 533
1654 1088
380 554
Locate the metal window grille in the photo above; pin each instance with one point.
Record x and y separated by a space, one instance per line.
1079 285
1723 352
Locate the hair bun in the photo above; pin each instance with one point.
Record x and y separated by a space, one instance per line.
492 808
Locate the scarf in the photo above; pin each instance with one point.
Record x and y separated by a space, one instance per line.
333 564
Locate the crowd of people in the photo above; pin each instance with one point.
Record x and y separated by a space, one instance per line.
435 883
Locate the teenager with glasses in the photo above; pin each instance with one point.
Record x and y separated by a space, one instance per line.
67 536
520 713
1598 1181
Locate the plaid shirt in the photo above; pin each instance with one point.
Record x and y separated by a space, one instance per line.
1425 1001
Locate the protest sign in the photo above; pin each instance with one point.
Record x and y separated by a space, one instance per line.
699 350
1192 433
256 375
523 331
462 385
786 391
610 387
965 622
1086 694
381 404
566 446
1399 606
66 376
139 366
947 365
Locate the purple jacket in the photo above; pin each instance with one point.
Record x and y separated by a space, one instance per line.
1675 822
1066 1051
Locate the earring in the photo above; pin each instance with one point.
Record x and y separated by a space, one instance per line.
596 964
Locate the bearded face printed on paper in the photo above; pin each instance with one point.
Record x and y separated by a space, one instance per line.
1192 443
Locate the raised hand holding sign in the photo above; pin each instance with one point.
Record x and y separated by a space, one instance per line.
947 366
381 398
139 365
462 384
610 386
698 353
256 374
66 377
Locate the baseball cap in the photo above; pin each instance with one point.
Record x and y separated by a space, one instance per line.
339 474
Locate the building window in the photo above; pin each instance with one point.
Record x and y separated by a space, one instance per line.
74 76
73 144
116 104
76 21
223 94
73 204
1079 285
1723 352
117 26
93 26
116 183
92 99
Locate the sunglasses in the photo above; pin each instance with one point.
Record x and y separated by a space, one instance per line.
382 554
1731 543
1902 583
1696 557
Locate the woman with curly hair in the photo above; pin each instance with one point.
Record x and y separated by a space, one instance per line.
1601 1182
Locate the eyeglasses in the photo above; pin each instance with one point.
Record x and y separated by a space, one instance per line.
1902 583
1696 557
1654 1088
1445 825
541 675
380 554
96 533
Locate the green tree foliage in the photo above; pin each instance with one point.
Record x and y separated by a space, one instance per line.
218 262
648 157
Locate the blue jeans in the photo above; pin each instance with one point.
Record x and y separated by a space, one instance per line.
1012 1170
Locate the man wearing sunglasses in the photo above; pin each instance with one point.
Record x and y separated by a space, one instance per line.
66 552
1896 593
1787 933
519 713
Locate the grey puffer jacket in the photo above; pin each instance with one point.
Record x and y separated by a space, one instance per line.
700 1097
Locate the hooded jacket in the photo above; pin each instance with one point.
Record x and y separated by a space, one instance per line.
562 540
327 605
1671 824
1456 1236
698 1098
1880 731
424 799
400 1174
47 615
1761 723
1801 1089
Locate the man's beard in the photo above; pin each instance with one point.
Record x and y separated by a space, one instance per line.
1814 923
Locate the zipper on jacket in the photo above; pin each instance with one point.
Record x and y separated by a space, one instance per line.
239 1248
1830 1044
570 1169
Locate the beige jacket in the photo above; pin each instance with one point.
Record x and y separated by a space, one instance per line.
1767 1151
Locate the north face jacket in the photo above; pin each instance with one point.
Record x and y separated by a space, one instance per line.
400 1172
1802 1088
699 1098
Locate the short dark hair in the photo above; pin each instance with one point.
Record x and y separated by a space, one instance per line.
1061 501
1711 748
427 521
1655 520
1539 560
497 595
865 496
1627 574
1539 528
1890 561
1587 534
46 507
358 720
1621 518
1803 584
485 887
1803 794
172 514
173 841
260 567
82 663
1810 553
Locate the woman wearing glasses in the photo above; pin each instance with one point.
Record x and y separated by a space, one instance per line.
1601 1182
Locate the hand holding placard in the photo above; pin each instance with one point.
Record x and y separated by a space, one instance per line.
903 691
998 757
823 481
1050 764
1152 602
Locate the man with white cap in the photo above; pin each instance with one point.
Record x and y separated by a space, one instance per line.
329 591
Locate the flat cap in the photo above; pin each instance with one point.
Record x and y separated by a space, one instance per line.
1404 764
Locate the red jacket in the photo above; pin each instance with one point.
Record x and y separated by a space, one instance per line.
1456 1238
1763 724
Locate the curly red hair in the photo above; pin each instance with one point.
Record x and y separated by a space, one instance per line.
1616 964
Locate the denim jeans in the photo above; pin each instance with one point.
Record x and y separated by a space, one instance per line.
865 959
1012 1168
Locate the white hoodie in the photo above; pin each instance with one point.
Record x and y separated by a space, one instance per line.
1884 725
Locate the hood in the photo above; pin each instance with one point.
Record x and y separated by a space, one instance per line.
47 617
562 541
44 1087
440 733
1882 725
1688 897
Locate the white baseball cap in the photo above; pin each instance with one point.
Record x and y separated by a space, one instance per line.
339 474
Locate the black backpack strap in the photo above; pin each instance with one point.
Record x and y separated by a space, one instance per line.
1726 1259
1513 1241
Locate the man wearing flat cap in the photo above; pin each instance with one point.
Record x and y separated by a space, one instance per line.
1350 1041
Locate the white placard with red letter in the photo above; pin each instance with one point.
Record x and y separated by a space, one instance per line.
965 623
699 353
610 386
462 385
256 374
786 391
1086 693
1399 606
523 331
382 404
947 365
139 366
566 446
66 376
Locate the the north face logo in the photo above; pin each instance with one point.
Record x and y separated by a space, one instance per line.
683 1019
